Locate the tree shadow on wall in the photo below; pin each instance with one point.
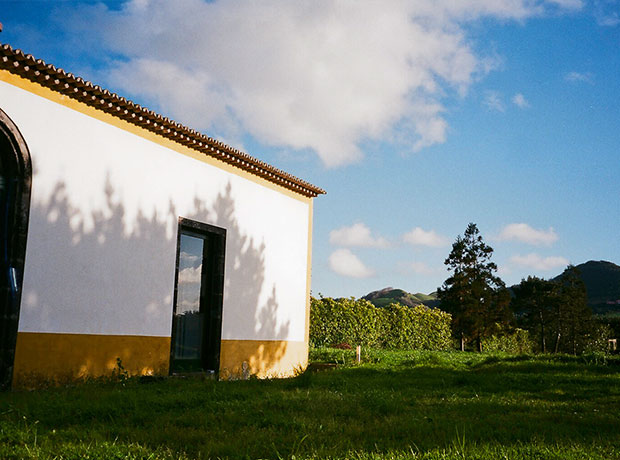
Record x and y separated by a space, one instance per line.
247 315
114 282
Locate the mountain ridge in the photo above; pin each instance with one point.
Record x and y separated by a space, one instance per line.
602 280
384 297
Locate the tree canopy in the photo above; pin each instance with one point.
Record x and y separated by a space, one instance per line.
557 312
535 299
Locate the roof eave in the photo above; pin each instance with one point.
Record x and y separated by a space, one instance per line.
36 70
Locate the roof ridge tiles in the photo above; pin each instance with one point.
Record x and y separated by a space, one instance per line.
110 102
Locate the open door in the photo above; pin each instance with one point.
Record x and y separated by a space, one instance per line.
198 297
15 180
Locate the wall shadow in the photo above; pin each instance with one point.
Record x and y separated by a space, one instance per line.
110 283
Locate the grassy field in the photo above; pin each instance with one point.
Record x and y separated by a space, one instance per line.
395 405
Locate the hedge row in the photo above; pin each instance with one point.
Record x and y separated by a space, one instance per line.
359 322
516 342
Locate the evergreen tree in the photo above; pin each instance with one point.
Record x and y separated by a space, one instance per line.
477 299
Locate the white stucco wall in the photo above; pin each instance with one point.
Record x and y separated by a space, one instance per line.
101 244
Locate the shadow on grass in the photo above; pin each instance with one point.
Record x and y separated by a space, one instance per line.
331 413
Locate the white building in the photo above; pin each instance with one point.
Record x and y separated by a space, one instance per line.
131 240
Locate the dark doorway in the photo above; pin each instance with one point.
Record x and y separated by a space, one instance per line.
15 180
198 296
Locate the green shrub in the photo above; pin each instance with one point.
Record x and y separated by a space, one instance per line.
359 322
334 321
517 341
416 328
597 340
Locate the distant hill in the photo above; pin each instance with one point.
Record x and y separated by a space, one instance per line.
602 280
390 295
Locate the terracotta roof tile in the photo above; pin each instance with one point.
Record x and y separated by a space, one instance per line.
47 75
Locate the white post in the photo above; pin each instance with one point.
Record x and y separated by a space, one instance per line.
358 354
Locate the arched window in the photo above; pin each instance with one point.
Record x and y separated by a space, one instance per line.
15 181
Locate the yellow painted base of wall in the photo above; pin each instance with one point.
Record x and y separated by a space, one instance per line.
262 358
45 358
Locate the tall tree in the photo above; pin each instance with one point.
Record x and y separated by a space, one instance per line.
477 299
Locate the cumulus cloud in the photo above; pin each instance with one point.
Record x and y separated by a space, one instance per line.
188 258
538 262
345 263
421 237
578 77
190 275
323 75
526 234
520 101
356 235
493 101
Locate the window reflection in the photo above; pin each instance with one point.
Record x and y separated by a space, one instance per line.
189 323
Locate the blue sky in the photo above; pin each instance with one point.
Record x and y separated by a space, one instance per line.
416 117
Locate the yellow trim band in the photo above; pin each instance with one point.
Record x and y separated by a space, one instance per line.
240 359
47 358
43 358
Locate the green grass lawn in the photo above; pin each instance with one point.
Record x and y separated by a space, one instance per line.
427 405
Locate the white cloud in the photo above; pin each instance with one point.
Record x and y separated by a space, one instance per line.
188 258
503 270
188 305
421 268
520 101
421 237
190 275
356 235
178 90
526 234
610 20
586 77
345 263
324 75
493 100
607 13
538 262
